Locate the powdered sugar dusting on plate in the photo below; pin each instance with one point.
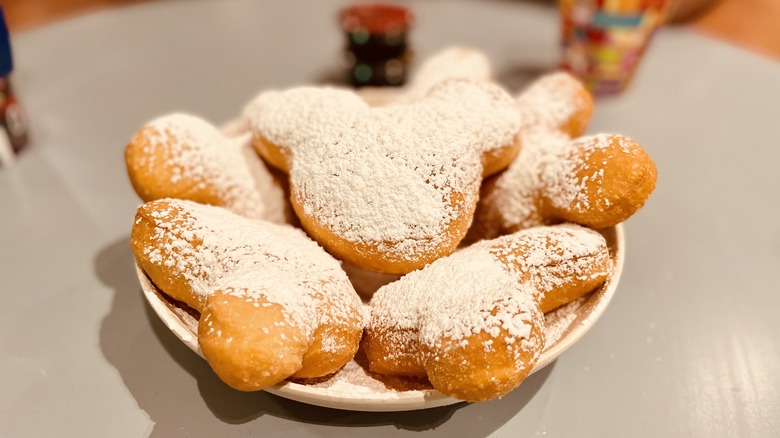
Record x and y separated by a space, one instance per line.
357 381
559 320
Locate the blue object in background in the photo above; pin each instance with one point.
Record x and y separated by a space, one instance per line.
6 61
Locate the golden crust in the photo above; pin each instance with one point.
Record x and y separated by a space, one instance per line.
250 346
152 173
465 370
172 281
390 255
580 99
628 178
310 328
494 349
253 341
371 256
184 157
596 181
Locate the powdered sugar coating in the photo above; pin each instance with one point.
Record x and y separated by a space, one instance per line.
480 296
356 388
217 250
393 177
552 256
551 99
551 171
453 298
493 287
573 161
513 199
463 294
196 151
455 62
450 63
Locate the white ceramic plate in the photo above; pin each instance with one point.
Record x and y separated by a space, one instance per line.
355 389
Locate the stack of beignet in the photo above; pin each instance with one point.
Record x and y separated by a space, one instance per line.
486 206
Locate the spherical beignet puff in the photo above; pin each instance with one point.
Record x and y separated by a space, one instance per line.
185 157
455 62
273 304
387 189
473 322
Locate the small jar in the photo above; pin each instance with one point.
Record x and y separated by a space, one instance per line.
377 51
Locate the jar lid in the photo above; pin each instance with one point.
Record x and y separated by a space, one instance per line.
376 18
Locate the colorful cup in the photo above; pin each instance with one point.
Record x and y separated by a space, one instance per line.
603 40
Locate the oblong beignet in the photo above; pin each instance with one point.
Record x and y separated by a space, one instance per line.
185 157
473 322
273 303
597 181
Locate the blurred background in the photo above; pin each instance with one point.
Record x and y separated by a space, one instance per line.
751 24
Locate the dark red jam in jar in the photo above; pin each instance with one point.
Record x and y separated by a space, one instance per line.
377 50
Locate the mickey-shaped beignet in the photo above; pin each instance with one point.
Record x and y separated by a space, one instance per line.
272 303
387 189
597 181
473 322
185 157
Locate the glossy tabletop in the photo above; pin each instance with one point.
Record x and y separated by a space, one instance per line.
690 345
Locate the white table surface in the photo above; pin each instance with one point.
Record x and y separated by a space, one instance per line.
690 345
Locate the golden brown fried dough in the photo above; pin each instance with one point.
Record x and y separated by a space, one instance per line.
473 321
387 189
558 101
597 181
185 157
273 304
